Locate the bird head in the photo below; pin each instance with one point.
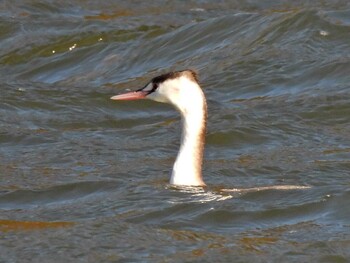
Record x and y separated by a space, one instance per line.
179 88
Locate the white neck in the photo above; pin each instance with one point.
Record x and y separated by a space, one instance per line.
187 169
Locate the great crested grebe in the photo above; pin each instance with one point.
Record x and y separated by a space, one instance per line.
181 89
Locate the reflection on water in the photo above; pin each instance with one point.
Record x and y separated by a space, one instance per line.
203 195
86 178
197 195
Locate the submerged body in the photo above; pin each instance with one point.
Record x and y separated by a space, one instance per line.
182 90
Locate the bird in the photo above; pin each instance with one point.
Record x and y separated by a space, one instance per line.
182 90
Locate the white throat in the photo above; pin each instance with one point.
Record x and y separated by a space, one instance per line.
187 168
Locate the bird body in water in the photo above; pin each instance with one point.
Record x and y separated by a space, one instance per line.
182 90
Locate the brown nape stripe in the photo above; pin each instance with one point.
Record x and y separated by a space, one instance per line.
191 74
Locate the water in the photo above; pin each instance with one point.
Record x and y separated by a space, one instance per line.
85 179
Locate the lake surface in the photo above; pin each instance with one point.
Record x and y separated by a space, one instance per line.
85 179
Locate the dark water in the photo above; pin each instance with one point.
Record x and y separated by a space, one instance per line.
84 179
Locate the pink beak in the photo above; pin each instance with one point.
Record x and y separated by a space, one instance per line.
134 95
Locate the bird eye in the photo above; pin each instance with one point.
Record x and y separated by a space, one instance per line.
155 86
